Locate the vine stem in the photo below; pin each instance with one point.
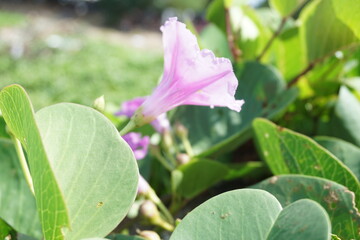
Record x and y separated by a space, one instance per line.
23 163
314 63
280 28
275 35
129 127
153 197
235 51
187 146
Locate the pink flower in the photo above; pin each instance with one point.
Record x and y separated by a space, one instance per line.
191 76
138 144
128 108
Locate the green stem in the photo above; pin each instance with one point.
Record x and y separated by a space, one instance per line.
274 36
128 128
164 162
161 223
153 197
23 163
187 146
171 158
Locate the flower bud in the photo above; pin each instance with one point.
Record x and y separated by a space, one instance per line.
167 140
149 235
143 186
182 158
181 131
154 149
149 210
99 104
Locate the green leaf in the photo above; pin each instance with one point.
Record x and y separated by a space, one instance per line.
286 7
250 33
216 14
3 133
117 237
334 237
196 176
304 219
348 12
124 237
17 206
251 169
313 224
346 152
345 123
213 38
93 165
334 34
286 152
290 58
335 198
219 130
49 199
85 157
253 214
239 214
5 229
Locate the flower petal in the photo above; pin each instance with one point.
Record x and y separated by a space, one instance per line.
138 144
128 108
191 76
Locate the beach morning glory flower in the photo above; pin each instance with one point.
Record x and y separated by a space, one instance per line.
128 108
191 76
139 145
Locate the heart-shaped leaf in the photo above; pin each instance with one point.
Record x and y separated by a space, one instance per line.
239 214
249 214
303 219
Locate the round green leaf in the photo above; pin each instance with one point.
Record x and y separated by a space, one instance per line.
243 214
336 199
93 165
304 219
85 176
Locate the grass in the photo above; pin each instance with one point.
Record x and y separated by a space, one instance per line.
98 68
8 19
